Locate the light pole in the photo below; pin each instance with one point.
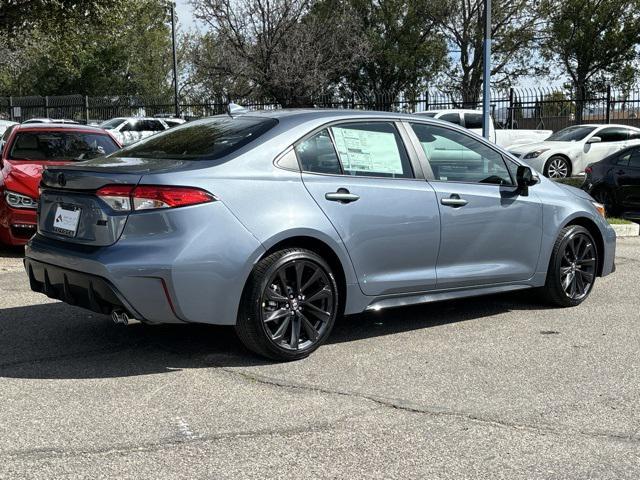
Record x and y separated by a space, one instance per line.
175 60
486 75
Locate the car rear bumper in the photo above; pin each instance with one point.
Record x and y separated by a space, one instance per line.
76 288
193 269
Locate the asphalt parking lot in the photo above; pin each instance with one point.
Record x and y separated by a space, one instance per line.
495 387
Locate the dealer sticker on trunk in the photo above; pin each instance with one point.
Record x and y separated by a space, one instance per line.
66 220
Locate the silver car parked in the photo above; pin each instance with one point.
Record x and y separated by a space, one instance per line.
280 222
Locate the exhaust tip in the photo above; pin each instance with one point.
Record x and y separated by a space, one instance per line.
120 318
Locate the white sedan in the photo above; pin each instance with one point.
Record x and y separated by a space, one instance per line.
568 151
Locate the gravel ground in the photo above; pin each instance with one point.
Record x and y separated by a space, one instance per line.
497 387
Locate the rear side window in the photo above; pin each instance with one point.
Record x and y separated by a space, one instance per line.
206 139
364 149
316 154
634 158
372 150
451 118
473 120
613 134
61 146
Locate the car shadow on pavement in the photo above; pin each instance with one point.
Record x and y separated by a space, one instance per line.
56 341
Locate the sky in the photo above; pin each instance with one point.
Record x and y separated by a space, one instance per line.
184 11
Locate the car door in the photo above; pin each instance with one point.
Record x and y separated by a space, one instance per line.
627 178
490 232
612 139
373 191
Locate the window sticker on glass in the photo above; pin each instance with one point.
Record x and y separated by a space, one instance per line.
366 151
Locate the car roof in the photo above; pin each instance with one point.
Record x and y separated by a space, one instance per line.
59 126
302 114
599 125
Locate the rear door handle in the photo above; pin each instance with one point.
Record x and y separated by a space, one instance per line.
342 196
454 201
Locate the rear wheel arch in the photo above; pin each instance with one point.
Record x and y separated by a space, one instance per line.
322 249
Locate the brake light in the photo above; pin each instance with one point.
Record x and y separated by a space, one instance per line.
124 198
588 170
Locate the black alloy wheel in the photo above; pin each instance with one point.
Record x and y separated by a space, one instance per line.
294 300
573 267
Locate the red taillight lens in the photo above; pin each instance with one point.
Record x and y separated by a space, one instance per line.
588 170
150 197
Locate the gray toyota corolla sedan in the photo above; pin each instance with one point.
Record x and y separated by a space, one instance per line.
280 222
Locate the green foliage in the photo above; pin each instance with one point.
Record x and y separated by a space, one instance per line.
591 39
404 48
94 48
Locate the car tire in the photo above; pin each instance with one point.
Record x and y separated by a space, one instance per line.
557 167
572 268
289 305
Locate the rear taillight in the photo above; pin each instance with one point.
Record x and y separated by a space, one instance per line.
588 170
125 198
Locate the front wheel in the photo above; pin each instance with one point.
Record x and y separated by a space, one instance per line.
557 167
289 305
573 267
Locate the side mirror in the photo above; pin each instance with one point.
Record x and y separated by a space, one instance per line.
594 140
525 177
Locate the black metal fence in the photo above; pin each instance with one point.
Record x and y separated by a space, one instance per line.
530 108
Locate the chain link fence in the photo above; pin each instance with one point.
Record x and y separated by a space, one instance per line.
528 108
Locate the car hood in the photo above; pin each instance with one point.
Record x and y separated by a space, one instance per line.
24 177
575 191
529 147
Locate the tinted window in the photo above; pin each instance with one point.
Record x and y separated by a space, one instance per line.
451 118
613 134
316 154
473 120
456 157
634 160
622 160
634 135
372 149
61 146
206 139
149 126
130 126
571 134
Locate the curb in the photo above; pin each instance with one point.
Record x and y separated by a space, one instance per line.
627 230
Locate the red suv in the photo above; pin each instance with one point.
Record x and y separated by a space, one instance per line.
25 151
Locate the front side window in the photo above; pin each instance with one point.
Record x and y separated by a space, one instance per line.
206 139
634 158
457 157
371 149
61 146
613 134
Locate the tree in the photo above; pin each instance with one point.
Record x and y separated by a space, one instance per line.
404 49
283 49
92 48
514 24
590 38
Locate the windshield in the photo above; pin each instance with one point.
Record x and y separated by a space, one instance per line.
206 139
61 146
571 134
113 123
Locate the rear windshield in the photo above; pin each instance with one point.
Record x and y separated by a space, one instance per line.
74 146
113 123
206 139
